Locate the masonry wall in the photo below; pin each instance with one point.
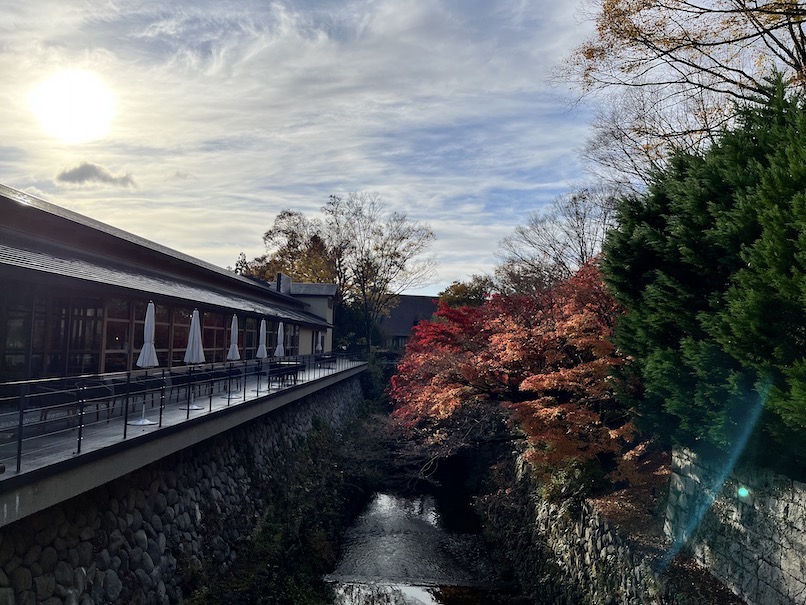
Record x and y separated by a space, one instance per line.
141 538
754 542
567 554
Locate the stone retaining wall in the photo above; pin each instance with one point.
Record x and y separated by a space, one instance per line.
572 555
753 539
142 538
598 566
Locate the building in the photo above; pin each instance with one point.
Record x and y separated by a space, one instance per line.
75 290
410 310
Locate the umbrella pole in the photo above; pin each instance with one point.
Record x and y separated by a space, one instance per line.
143 414
229 382
190 387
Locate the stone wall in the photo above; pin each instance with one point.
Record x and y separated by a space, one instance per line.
594 559
572 555
142 538
747 527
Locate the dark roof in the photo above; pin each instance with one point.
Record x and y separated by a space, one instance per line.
113 233
409 311
313 289
20 252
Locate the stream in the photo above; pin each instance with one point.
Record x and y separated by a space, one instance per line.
399 551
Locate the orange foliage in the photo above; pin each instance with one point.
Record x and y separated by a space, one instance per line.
546 358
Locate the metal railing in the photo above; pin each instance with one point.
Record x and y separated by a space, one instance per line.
53 418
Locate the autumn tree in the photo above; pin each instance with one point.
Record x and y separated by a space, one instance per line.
543 359
675 68
556 241
372 255
473 292
380 254
296 246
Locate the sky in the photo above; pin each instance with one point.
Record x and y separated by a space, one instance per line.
192 123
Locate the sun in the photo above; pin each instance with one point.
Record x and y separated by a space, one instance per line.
74 106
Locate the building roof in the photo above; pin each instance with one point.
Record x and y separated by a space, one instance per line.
313 289
38 236
19 254
409 311
87 232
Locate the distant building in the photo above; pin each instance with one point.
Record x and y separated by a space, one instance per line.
74 294
410 310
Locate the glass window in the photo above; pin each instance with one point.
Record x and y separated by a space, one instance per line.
162 339
181 337
117 335
116 362
162 313
117 308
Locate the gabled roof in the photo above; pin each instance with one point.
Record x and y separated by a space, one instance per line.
313 289
38 236
20 253
117 241
409 311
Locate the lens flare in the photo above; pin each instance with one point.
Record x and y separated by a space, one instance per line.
713 490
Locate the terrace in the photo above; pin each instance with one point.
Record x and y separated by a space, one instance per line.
52 423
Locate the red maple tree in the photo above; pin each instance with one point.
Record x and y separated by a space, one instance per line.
546 358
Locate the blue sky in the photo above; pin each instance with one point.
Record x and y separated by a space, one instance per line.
226 113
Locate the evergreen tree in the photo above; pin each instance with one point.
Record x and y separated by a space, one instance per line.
709 265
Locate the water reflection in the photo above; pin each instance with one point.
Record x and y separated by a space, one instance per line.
397 553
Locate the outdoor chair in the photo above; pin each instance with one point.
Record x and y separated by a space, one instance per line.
123 388
97 393
151 385
54 397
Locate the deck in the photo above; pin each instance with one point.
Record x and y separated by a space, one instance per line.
62 444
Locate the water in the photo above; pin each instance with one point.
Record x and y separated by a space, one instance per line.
398 552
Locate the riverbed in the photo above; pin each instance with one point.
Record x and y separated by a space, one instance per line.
400 552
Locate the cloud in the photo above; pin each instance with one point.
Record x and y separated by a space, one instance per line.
93 173
232 112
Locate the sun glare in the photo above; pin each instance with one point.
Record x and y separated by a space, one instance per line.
74 106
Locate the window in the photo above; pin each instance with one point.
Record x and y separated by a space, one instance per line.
117 346
213 336
84 342
181 329
249 338
291 340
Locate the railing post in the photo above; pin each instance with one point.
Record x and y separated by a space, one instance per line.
23 389
229 382
210 389
81 392
162 396
243 380
126 403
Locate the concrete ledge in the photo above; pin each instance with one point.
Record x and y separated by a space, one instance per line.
34 492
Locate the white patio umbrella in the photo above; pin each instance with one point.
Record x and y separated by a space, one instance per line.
194 354
279 350
195 351
261 352
148 354
147 357
233 354
320 338
261 347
